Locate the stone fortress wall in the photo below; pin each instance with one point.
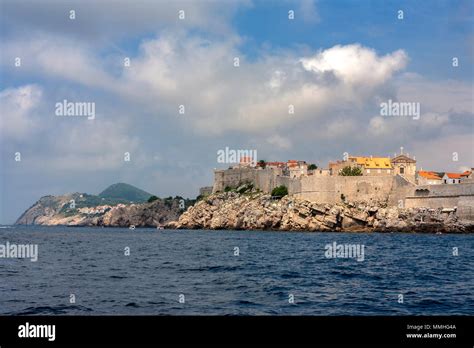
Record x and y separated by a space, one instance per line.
394 189
460 196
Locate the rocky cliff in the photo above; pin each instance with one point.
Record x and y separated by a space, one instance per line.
83 210
257 211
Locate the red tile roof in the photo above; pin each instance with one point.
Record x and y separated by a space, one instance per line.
428 175
453 175
276 164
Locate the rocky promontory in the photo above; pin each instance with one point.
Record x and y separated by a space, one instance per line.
112 208
258 211
56 210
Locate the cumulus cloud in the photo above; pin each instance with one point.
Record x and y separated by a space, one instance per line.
338 89
355 65
198 72
256 96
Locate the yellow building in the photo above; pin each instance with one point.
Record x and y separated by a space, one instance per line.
373 165
378 166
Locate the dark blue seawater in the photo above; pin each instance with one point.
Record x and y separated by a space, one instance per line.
90 263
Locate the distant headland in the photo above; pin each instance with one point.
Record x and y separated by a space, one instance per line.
119 205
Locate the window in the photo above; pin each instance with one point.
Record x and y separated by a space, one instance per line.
402 170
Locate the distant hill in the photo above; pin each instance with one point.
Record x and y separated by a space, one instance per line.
82 209
125 192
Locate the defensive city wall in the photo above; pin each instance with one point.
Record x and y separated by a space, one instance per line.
460 196
395 189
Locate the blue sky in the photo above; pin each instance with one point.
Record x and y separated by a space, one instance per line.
430 33
335 62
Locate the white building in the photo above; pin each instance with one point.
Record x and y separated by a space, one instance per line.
451 178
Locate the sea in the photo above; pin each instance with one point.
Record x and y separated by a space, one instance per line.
118 271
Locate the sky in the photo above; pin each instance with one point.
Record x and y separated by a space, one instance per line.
334 62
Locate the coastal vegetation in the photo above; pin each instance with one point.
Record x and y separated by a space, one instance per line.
350 171
243 188
280 191
152 199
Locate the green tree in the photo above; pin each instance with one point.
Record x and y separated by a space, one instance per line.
152 199
350 171
279 191
262 163
312 166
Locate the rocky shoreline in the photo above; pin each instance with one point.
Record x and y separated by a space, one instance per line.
246 208
258 211
54 211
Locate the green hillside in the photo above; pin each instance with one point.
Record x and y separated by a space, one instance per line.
125 192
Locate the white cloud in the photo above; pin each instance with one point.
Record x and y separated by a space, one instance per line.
178 68
50 56
448 96
331 90
356 65
17 110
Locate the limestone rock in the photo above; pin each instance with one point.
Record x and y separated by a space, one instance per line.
258 211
